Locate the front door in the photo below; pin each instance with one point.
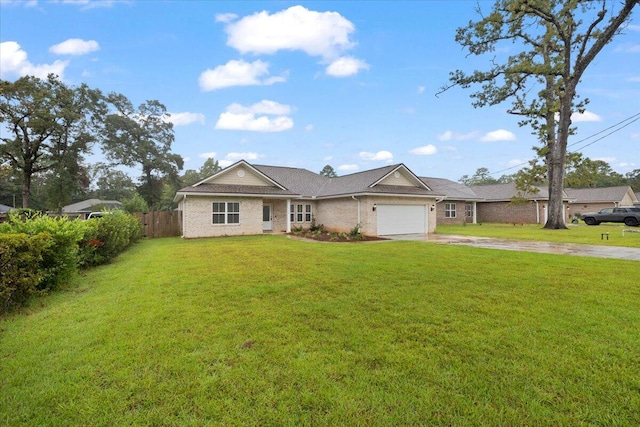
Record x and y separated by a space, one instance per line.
267 223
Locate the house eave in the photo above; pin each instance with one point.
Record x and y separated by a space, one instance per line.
373 194
180 195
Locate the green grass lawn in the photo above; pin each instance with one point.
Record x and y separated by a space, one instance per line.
272 331
576 233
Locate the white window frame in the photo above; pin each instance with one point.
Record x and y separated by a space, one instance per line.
450 210
307 213
230 214
468 210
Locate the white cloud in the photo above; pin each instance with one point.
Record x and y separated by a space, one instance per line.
209 155
262 107
450 135
14 61
226 17
93 4
348 168
75 47
242 156
425 150
587 116
256 117
635 136
225 163
628 48
421 89
346 66
319 34
499 135
385 156
182 119
238 73
324 34
308 128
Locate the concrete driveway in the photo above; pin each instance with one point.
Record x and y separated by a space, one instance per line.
616 252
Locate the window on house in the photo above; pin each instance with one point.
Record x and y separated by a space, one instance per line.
449 210
226 213
299 213
307 213
292 212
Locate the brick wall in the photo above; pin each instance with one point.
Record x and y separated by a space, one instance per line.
506 212
198 220
460 212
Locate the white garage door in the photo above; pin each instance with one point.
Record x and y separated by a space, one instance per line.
402 219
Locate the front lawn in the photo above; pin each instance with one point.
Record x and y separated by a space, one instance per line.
274 331
576 233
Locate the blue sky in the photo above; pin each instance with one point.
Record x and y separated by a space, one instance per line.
305 84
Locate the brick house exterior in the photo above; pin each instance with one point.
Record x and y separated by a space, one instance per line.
247 199
594 199
505 204
460 204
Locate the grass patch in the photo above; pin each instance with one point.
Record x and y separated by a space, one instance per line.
271 331
585 234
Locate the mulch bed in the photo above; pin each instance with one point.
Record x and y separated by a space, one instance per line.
336 237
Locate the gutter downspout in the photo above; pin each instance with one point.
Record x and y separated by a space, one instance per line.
288 229
475 212
354 198
184 216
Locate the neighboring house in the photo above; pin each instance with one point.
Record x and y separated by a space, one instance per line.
4 209
460 204
254 199
498 204
84 208
637 198
594 199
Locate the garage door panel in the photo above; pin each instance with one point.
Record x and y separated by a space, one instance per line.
402 219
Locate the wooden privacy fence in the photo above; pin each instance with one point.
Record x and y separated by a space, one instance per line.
159 223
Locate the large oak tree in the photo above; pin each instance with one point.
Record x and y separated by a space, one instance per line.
555 41
142 137
47 126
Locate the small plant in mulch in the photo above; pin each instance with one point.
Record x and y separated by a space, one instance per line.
320 234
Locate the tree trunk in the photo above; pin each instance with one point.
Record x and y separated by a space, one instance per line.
556 161
26 187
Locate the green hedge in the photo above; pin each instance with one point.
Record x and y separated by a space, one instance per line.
60 260
106 237
20 255
40 253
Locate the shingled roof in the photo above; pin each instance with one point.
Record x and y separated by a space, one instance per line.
453 190
505 192
598 195
297 182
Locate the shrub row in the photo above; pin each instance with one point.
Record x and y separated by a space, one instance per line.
38 253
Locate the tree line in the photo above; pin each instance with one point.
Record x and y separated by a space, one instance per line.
580 172
48 128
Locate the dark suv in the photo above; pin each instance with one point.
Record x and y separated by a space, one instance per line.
629 215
